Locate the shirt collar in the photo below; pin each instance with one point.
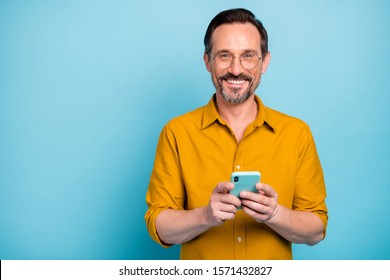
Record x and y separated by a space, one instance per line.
210 114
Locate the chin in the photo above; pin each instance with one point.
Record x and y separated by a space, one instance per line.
235 98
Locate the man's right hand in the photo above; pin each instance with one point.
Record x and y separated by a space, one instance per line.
223 205
191 223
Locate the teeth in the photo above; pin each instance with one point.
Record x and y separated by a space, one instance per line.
236 82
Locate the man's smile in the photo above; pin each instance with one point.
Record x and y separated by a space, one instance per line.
236 82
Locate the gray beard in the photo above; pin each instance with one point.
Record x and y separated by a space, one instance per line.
236 99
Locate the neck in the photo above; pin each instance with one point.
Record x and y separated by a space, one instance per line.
237 116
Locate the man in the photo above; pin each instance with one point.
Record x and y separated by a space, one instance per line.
188 196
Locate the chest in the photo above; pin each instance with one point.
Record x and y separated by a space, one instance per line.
210 158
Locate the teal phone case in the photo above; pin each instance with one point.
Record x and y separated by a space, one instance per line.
244 181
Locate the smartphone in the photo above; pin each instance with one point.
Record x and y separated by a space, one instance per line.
244 181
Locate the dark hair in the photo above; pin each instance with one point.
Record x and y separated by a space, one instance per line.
235 16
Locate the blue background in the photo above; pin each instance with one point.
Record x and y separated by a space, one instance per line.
86 87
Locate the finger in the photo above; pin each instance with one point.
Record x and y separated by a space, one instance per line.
228 209
260 213
258 187
220 212
224 187
258 216
224 216
256 206
265 189
226 198
259 202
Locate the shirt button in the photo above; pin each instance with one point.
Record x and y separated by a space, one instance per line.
239 239
238 167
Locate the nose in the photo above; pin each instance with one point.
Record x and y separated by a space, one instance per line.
236 67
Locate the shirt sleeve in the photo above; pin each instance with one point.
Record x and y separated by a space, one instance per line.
166 188
310 191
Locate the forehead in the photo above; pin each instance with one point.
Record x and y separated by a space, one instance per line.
236 37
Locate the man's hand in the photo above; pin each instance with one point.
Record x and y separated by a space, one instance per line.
191 223
262 206
296 226
222 205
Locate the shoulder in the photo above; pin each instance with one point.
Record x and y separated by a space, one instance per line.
188 121
281 121
291 129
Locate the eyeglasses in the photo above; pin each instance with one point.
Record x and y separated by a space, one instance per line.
248 60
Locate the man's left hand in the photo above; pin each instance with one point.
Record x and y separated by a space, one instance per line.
262 206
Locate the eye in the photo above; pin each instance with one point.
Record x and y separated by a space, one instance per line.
249 56
224 56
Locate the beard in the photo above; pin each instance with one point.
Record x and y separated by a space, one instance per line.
234 95
236 98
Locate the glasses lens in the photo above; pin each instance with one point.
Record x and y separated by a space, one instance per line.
248 61
223 60
249 64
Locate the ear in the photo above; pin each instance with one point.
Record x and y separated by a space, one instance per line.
206 59
266 60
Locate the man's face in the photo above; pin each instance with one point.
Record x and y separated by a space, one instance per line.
236 84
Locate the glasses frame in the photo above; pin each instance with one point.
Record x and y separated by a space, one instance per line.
234 57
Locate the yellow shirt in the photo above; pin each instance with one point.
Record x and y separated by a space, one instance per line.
198 150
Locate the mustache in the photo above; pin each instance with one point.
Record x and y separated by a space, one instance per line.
234 77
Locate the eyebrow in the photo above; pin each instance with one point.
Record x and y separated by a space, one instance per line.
244 51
